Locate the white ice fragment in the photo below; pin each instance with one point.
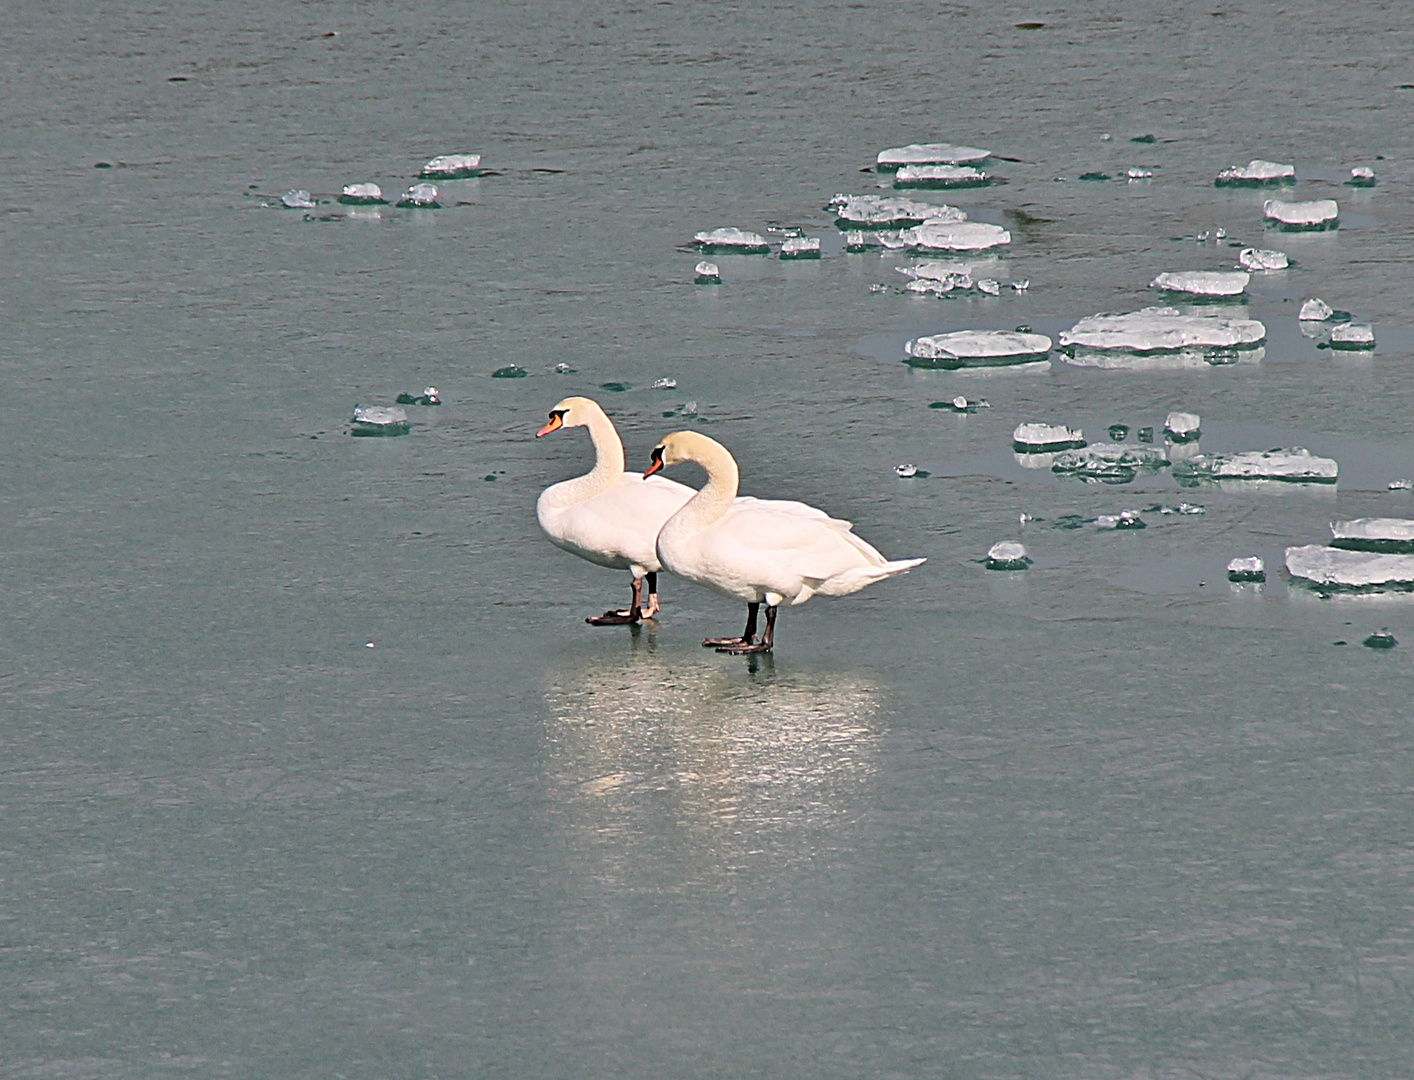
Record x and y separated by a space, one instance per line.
1401 484
1109 461
929 154
977 348
1203 282
420 195
990 287
801 247
379 420
1021 285
1315 310
1337 567
878 288
1314 214
1219 234
299 199
1138 174
954 236
855 241
1353 336
451 167
1007 555
1250 568
930 286
1262 259
1035 436
888 211
361 194
665 384
1296 465
1182 425
1362 172
1374 534
707 273
940 176
1125 519
1106 137
1162 329
905 472
1256 173
736 241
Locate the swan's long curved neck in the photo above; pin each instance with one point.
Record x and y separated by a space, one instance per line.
608 471
716 496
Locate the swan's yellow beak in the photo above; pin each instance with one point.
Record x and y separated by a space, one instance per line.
557 421
657 465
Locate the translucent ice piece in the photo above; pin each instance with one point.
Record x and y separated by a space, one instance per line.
1162 330
1034 437
1361 176
420 197
1125 519
906 472
888 212
1256 173
379 420
1007 555
1315 310
1109 462
1390 535
1262 259
451 167
1336 568
1353 336
299 199
1295 465
362 195
976 348
732 242
989 286
940 176
801 247
665 384
929 154
707 273
1315 214
1401 485
1203 282
1250 568
954 236
1138 174
855 242
1182 426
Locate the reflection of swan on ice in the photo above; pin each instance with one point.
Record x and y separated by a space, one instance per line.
666 759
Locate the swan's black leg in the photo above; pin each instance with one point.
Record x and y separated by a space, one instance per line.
622 618
653 606
768 639
747 636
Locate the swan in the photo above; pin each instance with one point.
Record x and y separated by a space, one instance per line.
609 516
758 550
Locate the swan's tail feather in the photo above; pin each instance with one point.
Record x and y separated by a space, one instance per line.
860 577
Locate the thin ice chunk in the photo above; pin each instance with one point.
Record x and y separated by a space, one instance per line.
420 196
362 195
451 167
940 176
958 236
801 247
1203 282
1256 173
707 273
1110 461
1250 568
1315 214
737 241
1262 259
1336 567
1007 555
1353 336
888 212
379 420
1296 465
930 154
299 199
977 348
1160 329
1315 310
1374 534
1182 426
1047 437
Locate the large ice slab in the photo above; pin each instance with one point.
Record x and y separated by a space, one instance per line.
1036 437
929 154
451 167
1161 330
732 242
940 176
1256 173
977 348
1340 569
936 236
887 212
1389 535
1302 216
1203 282
1262 259
1294 465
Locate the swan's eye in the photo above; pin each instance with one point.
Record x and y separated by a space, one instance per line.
657 454
558 414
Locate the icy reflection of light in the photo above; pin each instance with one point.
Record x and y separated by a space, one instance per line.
654 760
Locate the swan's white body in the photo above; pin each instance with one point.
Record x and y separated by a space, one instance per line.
761 550
608 516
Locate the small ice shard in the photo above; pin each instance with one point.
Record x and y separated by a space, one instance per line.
906 472
1315 310
1401 485
1041 438
299 199
564 369
1295 465
929 154
379 420
1219 234
1094 341
732 242
362 195
1111 463
1302 216
1138 174
887 212
665 384
429 396
801 247
1350 336
1389 535
510 371
1182 426
707 273
1125 519
1106 137
990 287
1021 285
1007 555
420 197
1250 568
961 404
878 288
976 348
1256 173
1262 259
940 176
1361 176
1203 282
954 277
932 286
855 242
954 236
1336 568
451 167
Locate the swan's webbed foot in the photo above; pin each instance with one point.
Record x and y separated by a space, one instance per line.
744 643
615 618
722 642
744 648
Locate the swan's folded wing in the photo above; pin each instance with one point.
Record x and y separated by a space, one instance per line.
814 546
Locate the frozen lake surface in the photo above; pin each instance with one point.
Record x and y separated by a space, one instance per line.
311 767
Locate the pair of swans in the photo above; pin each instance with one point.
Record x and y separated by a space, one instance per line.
754 550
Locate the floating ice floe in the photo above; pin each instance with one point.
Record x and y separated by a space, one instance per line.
299 199
665 384
942 236
429 396
707 273
1111 463
420 197
1007 555
1302 216
887 212
1361 176
961 404
1138 174
1294 465
379 420
451 167
1388 535
362 195
929 154
1256 173
1125 519
1381 639
1203 282
732 242
1402 484
856 241
1315 310
989 286
940 176
976 348
1046 438
1250 568
1352 336
801 247
906 472
1336 568
1262 259
1114 340
1182 426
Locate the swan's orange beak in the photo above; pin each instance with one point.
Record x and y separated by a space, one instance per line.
557 421
657 465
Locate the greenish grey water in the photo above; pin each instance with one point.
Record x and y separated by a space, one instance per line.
1094 820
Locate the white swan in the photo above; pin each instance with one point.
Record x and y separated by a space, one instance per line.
758 550
609 516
